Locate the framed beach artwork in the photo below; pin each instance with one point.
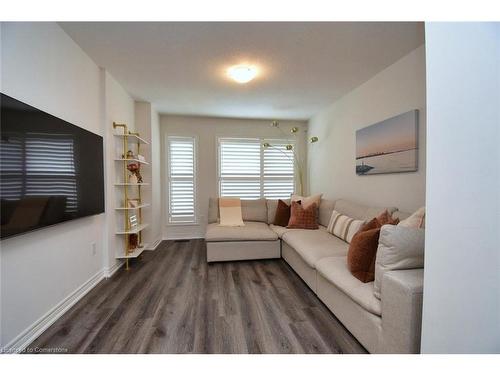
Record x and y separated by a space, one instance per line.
389 146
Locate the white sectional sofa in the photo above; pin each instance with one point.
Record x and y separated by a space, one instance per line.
389 324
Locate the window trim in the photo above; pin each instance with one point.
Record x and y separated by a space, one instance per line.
195 220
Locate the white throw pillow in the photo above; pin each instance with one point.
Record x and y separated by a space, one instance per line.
307 201
230 212
399 248
415 220
344 227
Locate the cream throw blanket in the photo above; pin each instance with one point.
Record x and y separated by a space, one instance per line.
230 212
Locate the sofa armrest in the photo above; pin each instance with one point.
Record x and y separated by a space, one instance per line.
402 294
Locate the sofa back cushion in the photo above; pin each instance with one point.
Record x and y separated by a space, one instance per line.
272 204
213 210
307 201
326 207
360 211
399 248
251 210
254 210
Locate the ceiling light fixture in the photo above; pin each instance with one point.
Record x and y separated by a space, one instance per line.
242 73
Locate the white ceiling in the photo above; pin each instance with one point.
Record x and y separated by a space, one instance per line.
180 67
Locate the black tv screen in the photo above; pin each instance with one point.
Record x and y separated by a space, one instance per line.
51 171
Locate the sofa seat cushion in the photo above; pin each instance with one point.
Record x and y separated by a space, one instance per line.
251 231
313 245
335 270
280 231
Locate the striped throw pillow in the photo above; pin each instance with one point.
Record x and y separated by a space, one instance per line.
344 227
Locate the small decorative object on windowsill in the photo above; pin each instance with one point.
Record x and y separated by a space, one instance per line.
141 158
130 154
289 147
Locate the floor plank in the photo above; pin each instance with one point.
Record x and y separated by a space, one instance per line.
172 301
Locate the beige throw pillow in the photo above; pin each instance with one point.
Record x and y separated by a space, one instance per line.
344 227
415 220
307 201
230 212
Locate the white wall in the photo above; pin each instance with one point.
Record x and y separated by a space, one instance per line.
44 272
462 264
331 161
207 130
156 181
43 67
119 108
147 124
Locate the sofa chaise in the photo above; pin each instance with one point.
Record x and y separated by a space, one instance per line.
387 320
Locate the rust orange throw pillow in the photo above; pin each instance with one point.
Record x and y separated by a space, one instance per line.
282 216
303 218
363 248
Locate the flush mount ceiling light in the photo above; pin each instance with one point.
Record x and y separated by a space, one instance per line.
242 73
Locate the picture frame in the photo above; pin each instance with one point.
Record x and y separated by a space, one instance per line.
388 146
133 221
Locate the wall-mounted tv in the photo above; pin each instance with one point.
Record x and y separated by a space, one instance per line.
51 171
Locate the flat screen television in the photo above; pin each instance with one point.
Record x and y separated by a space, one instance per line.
51 171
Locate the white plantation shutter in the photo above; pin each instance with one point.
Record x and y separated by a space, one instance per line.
250 171
181 179
240 168
278 171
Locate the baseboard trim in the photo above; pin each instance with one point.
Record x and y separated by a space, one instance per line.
20 342
154 245
110 271
172 238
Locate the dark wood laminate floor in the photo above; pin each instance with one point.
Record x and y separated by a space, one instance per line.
172 301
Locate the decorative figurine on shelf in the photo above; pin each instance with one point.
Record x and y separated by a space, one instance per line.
130 154
135 177
133 241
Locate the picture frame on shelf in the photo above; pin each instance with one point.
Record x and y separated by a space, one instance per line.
133 222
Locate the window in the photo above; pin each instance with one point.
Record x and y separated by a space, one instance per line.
181 179
240 172
278 170
250 171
